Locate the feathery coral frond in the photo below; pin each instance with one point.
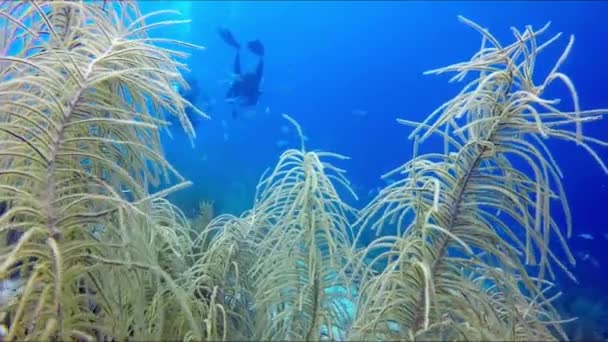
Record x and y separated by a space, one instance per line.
303 232
469 209
80 148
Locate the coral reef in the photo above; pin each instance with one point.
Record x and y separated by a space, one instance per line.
96 255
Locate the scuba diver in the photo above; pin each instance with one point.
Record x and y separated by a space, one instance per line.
196 96
245 89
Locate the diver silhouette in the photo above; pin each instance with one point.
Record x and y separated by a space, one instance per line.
245 89
197 97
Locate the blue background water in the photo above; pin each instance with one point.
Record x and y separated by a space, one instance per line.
329 62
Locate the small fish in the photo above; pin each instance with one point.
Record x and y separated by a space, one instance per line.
584 256
267 110
371 192
586 236
605 235
232 99
284 129
281 143
374 191
359 112
226 137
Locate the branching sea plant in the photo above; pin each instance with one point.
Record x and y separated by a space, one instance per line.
475 247
83 93
220 277
303 237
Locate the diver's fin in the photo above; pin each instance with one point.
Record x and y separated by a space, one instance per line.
231 92
237 64
228 37
256 47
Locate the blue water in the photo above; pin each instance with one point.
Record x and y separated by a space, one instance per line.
346 70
